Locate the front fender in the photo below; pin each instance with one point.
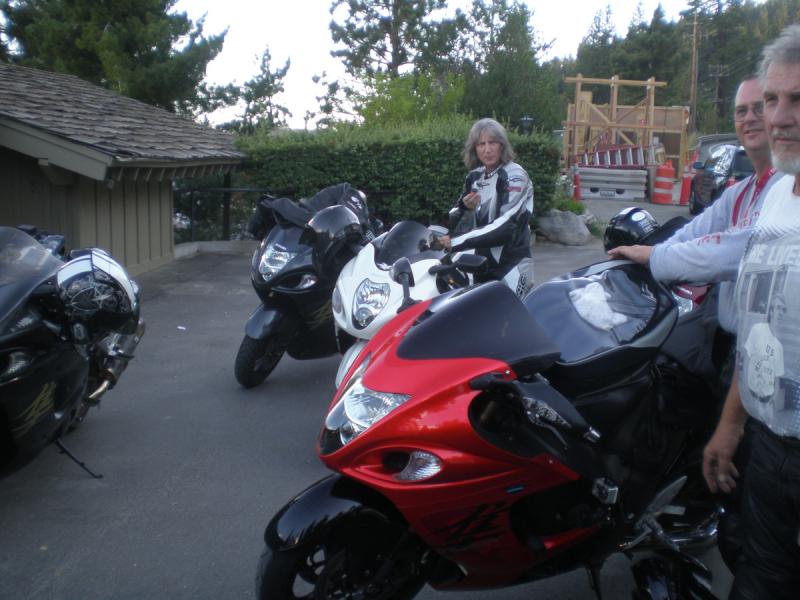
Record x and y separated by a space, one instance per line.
268 320
324 507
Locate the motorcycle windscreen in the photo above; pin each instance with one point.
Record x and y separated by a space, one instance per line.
407 238
486 321
24 264
589 315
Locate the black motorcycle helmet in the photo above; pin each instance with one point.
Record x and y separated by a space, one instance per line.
628 227
328 232
96 291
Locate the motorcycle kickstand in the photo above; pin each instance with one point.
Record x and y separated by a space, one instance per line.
74 459
594 580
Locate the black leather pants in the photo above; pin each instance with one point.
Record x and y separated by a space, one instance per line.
769 567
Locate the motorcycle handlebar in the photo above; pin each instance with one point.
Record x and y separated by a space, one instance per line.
544 406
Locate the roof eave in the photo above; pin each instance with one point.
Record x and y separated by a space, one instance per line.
50 149
54 150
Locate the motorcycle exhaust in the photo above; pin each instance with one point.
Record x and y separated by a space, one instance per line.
119 349
95 396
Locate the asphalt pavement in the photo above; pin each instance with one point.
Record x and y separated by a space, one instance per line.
194 466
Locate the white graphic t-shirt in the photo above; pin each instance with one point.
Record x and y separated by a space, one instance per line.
768 301
765 364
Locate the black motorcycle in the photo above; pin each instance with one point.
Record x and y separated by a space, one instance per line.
305 245
67 332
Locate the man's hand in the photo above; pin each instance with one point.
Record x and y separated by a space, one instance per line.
638 254
718 469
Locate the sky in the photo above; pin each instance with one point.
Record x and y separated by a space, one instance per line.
298 30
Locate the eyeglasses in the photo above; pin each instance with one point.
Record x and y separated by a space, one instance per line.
740 112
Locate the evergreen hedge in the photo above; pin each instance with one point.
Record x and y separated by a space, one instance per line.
410 172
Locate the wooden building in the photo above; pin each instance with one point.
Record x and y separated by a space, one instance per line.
78 159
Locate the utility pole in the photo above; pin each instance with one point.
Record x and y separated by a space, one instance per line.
693 76
716 71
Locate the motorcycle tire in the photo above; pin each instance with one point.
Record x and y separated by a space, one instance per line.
255 360
314 571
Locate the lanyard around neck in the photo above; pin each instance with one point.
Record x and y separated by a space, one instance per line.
762 181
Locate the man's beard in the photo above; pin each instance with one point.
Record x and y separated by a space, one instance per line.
789 164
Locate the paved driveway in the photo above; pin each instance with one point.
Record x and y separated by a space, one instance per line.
194 466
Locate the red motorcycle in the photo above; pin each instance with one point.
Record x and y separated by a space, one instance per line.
481 441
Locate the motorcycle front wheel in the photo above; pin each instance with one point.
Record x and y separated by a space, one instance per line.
364 567
255 360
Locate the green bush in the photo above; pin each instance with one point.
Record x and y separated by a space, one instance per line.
408 172
569 204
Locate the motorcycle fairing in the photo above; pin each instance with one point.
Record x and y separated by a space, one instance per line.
364 266
486 479
286 238
24 264
491 323
57 383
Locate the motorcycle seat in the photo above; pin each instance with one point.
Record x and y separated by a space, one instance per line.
608 319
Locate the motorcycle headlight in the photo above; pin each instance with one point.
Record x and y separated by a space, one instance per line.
273 260
370 298
358 408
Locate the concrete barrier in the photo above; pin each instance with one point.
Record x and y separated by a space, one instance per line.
622 184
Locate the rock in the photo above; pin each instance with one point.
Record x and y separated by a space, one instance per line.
564 227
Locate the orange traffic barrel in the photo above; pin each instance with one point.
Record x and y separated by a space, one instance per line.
686 190
662 187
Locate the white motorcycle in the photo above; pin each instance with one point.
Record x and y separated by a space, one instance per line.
367 296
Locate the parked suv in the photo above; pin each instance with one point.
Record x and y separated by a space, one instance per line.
706 144
727 164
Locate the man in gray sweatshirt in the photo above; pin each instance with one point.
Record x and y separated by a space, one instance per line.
708 248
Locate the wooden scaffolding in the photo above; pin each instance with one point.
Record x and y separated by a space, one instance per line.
590 128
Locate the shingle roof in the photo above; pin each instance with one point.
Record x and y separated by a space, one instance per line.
126 129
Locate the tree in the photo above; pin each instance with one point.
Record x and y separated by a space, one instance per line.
331 102
596 52
653 50
259 95
410 97
382 35
135 47
505 80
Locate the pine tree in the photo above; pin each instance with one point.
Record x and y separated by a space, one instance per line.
135 47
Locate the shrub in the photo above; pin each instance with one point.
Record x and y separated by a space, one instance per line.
408 172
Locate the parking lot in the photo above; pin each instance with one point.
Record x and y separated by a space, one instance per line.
194 466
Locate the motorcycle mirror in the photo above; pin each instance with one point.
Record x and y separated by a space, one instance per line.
472 263
401 272
698 166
